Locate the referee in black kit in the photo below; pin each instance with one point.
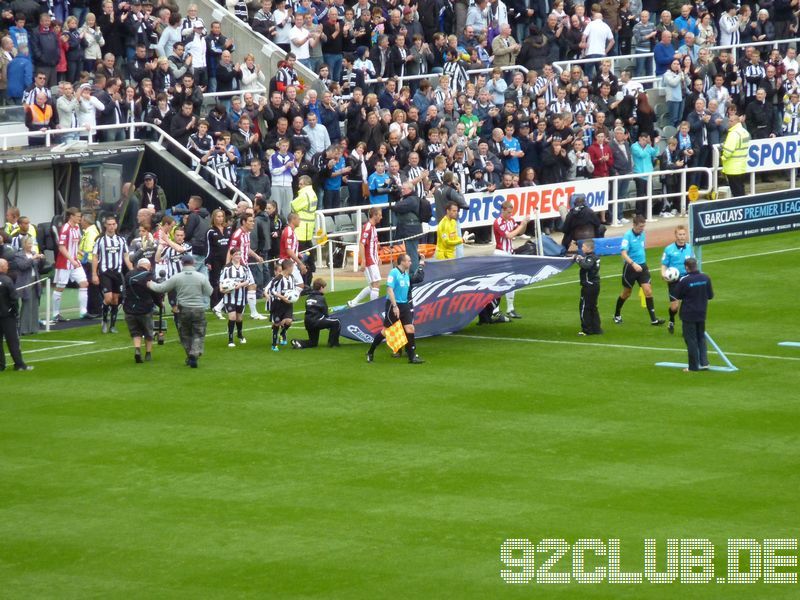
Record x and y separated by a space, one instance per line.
694 289
110 252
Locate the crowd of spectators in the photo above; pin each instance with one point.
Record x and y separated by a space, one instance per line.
374 121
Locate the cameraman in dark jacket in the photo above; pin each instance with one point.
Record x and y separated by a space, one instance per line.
138 305
317 319
196 225
581 223
261 243
408 222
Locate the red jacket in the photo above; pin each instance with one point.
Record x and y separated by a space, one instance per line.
602 168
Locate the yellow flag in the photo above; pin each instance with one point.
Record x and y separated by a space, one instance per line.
322 237
642 298
395 336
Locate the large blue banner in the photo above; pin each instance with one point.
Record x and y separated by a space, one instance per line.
453 293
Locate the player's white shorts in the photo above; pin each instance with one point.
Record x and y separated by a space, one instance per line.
372 273
297 277
498 252
64 276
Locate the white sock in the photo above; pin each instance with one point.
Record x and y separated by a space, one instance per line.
83 299
510 301
361 295
56 303
218 307
373 293
251 302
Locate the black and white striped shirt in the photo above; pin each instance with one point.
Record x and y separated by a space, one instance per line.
240 274
753 74
413 173
171 259
458 76
461 171
434 150
549 87
110 252
791 119
221 163
279 285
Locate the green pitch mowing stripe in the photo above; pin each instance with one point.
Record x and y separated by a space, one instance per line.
311 474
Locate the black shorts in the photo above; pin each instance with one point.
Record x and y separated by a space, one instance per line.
111 282
234 308
280 311
671 290
406 314
630 276
140 325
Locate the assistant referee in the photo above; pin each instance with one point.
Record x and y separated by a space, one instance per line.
635 270
399 306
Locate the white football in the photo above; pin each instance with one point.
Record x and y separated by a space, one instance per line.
227 285
672 274
293 295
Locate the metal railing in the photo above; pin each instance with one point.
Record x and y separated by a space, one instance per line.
435 76
249 41
161 137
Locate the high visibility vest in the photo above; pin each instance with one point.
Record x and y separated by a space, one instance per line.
305 205
86 246
39 116
734 151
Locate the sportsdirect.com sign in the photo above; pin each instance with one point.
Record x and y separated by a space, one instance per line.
773 153
765 214
484 207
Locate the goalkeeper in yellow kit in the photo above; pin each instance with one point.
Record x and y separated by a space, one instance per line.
447 238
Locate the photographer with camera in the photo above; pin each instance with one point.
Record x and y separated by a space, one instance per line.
450 192
138 305
410 216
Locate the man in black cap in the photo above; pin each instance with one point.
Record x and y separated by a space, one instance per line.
192 290
150 194
9 306
694 290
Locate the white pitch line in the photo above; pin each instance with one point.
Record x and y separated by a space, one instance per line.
28 340
618 346
616 275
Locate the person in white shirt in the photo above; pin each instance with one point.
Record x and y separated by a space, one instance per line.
300 38
67 106
790 62
88 107
597 41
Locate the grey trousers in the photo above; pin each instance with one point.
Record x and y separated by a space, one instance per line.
192 330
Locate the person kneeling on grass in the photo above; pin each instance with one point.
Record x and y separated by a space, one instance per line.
280 306
317 319
138 304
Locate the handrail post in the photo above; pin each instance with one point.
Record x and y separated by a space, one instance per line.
683 191
357 251
330 262
649 197
47 308
614 202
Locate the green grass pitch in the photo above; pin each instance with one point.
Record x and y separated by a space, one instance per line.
315 475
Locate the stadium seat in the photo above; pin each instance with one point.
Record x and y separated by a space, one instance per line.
668 131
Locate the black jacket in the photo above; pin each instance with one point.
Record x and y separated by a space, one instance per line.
695 291
260 238
580 223
8 298
590 269
408 222
196 228
316 307
139 299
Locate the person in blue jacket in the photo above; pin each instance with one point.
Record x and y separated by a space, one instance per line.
20 75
